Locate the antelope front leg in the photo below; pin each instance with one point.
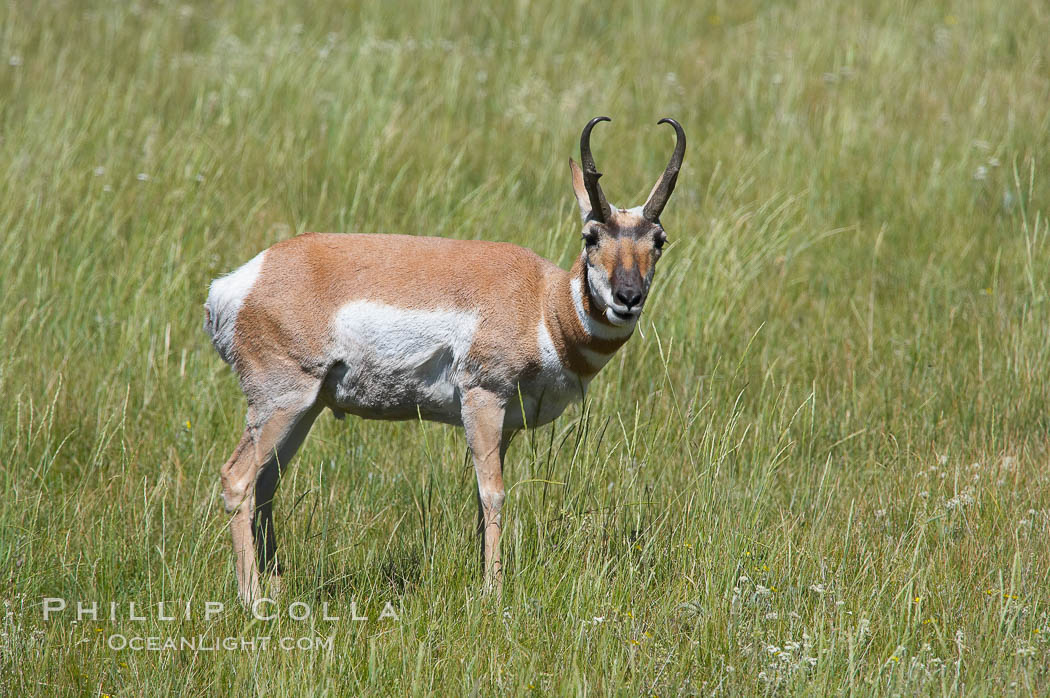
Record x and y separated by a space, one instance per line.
483 420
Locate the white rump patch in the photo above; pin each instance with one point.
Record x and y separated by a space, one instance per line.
225 298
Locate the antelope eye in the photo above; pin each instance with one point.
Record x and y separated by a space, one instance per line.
590 237
659 240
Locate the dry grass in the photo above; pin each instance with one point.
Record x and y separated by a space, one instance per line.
822 469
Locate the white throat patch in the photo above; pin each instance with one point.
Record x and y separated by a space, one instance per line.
592 326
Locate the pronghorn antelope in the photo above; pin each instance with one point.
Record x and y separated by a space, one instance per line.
486 335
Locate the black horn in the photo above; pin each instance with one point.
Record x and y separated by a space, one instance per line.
662 191
599 206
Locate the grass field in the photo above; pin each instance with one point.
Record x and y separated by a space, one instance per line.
821 471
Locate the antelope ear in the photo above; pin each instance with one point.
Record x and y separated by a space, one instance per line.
580 190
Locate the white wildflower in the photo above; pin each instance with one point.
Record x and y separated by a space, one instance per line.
961 500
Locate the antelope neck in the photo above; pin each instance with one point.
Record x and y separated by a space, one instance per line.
584 339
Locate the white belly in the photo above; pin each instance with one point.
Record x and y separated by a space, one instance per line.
397 363
394 363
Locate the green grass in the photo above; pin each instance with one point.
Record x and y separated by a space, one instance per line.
822 469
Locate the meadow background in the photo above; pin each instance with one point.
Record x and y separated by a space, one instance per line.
822 470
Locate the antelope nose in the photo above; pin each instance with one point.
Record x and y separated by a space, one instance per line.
629 297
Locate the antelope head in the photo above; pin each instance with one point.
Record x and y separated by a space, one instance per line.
621 246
